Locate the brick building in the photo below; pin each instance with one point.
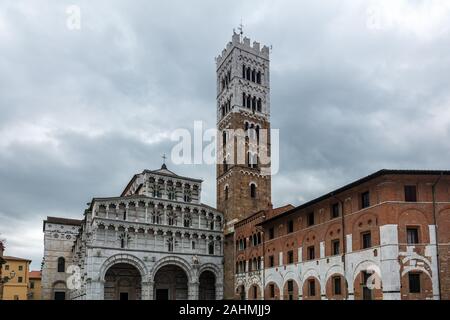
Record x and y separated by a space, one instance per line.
384 236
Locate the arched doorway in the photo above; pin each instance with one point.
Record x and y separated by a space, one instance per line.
240 292
122 282
59 290
207 286
171 283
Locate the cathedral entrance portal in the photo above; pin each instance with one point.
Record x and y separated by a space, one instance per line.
122 282
171 283
207 287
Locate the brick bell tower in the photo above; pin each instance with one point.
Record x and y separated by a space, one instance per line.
243 124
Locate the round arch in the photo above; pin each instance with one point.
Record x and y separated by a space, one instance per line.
123 258
172 260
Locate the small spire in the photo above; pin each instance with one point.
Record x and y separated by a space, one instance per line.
164 161
241 29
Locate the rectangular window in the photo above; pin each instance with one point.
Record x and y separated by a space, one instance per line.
20 279
311 253
410 194
272 290
271 261
271 233
335 247
367 292
312 287
337 286
414 282
7 267
290 226
365 199
31 284
290 257
310 219
335 211
290 286
412 235
20 268
366 240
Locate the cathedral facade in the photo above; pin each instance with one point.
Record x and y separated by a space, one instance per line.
154 241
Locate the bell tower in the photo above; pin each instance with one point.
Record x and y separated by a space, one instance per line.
243 124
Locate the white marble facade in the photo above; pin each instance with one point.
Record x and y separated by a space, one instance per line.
157 240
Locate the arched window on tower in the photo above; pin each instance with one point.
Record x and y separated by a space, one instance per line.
187 221
248 74
226 193
259 105
224 139
254 76
258 77
257 134
244 99
61 264
249 102
254 104
211 247
243 71
253 190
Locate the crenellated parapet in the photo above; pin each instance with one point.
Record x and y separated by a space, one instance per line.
243 43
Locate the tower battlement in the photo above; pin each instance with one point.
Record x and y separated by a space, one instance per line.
244 44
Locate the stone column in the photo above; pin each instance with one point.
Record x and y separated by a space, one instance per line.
146 212
193 290
145 290
150 290
389 265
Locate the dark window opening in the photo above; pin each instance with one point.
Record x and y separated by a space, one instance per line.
271 261
61 264
290 257
367 292
337 290
272 290
312 287
211 248
253 190
410 194
335 245
290 226
412 235
271 233
414 282
365 199
310 219
335 210
366 240
311 253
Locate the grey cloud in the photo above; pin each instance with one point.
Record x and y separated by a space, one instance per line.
82 111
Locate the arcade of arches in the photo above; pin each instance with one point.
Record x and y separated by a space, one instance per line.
123 281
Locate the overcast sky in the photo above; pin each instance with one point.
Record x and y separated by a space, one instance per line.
356 86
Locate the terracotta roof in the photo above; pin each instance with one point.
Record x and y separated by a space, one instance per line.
72 222
269 213
280 210
15 258
35 274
